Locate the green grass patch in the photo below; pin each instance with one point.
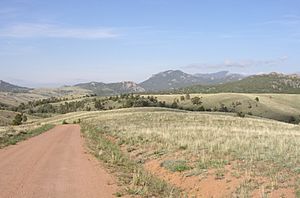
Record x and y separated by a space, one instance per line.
175 165
12 139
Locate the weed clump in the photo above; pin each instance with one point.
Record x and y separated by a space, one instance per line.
175 165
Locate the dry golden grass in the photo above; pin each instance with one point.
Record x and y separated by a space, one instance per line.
274 106
243 138
14 99
255 147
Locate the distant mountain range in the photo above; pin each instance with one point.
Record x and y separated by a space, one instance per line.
178 81
7 87
265 83
174 79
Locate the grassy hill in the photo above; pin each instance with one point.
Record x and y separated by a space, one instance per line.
281 107
7 117
267 83
198 152
110 89
14 99
194 151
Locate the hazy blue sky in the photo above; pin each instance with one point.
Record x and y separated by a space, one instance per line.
66 41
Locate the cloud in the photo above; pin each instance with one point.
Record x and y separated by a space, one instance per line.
31 30
286 20
239 64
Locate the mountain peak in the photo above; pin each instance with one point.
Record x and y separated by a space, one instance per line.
173 79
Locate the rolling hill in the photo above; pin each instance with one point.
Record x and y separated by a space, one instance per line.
15 98
108 89
281 107
265 83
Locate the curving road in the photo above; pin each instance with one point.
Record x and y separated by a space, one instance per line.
53 164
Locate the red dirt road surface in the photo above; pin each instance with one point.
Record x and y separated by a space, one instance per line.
53 164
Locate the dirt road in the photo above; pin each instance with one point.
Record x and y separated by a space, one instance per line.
53 164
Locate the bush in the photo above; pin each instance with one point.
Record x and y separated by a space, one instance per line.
24 118
196 100
240 114
201 108
18 119
293 120
98 105
64 122
223 108
174 105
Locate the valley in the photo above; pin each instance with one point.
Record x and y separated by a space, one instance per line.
174 143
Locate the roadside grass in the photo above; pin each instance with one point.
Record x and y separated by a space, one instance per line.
252 148
11 138
130 173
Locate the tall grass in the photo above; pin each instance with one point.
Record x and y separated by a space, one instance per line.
217 135
261 147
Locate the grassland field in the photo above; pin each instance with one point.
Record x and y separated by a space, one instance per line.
197 152
240 157
203 154
14 99
272 106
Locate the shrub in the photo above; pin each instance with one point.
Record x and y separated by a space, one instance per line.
18 119
174 105
64 122
24 118
223 108
240 114
98 105
293 120
196 100
201 108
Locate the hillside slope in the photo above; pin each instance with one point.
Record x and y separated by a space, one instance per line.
266 83
281 107
228 154
108 89
7 87
174 79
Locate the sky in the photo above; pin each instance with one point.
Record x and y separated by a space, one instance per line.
58 42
